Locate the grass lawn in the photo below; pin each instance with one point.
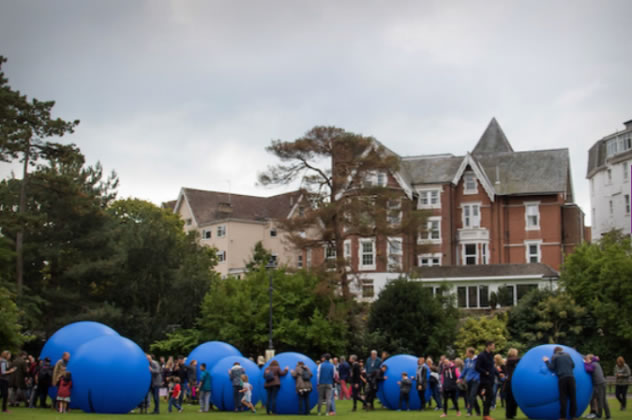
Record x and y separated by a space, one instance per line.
343 408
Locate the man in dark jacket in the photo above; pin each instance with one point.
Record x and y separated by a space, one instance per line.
44 381
485 367
356 380
422 381
562 365
156 382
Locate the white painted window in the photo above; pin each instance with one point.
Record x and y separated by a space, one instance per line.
429 199
366 254
347 249
221 256
395 254
376 179
533 251
368 290
206 233
221 231
308 257
273 232
394 212
432 233
189 221
472 296
625 170
483 253
330 252
469 183
532 216
627 203
470 254
609 176
471 215
612 147
429 260
611 207
381 179
299 261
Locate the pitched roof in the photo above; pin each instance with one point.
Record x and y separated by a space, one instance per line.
209 206
439 273
431 169
169 205
493 140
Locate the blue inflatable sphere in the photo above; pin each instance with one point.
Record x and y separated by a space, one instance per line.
222 391
210 353
388 391
110 374
535 387
287 400
69 339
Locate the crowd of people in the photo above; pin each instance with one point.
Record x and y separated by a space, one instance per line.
484 377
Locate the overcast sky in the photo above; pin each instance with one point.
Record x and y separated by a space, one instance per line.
189 93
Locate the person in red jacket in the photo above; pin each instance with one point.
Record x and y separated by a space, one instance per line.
63 392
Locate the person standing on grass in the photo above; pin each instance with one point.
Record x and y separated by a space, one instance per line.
303 377
435 384
5 373
246 391
235 373
64 390
472 379
562 365
622 379
272 375
344 371
511 406
421 377
356 380
449 377
485 368
174 399
325 383
204 389
156 381
405 384
592 367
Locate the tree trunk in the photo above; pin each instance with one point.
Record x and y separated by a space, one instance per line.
19 238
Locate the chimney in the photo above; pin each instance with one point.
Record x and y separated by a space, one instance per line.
628 125
497 175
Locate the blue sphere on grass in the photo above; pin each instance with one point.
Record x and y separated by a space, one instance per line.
110 374
222 389
287 399
388 391
69 339
535 387
210 353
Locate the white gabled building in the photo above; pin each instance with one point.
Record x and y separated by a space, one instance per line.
609 172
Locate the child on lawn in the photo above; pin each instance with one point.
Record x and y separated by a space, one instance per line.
175 395
246 390
63 392
404 391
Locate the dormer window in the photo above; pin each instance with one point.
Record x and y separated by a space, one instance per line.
376 179
469 183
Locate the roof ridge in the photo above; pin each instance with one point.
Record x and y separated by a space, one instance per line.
493 138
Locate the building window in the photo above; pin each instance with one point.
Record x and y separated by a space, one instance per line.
532 216
428 260
506 295
347 249
330 252
483 296
472 297
221 256
611 207
534 254
461 296
471 215
395 254
469 183
299 261
627 143
221 231
627 204
612 147
308 257
523 289
376 179
471 254
367 254
429 199
433 230
189 221
273 260
483 253
394 212
625 171
367 289
381 179
609 176
273 232
206 233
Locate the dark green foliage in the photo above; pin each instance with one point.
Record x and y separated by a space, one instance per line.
236 311
411 320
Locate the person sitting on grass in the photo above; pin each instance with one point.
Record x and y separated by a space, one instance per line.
404 391
63 392
175 395
246 390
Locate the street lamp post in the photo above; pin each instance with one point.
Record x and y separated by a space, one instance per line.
270 268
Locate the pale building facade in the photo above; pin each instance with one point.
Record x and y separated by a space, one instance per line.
609 165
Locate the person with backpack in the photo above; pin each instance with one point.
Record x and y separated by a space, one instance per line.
435 385
303 376
449 377
272 377
44 380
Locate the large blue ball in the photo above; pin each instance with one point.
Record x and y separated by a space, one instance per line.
69 339
210 353
110 374
388 391
222 389
535 387
287 400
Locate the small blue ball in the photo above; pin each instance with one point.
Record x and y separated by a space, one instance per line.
110 374
535 387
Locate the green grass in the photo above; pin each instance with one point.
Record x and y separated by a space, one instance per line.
343 410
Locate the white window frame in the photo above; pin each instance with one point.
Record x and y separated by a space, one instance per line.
464 255
609 173
308 257
391 207
373 179
467 191
368 284
626 172
221 256
432 260
529 205
221 231
207 234
626 203
427 195
299 260
395 259
330 252
527 251
484 253
471 221
426 237
361 265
